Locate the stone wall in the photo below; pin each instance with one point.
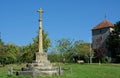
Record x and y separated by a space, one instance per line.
99 37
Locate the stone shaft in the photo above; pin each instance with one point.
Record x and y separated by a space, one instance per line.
40 32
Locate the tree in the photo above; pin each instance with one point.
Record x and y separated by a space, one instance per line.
82 50
53 56
2 53
65 48
99 54
113 42
71 51
8 53
27 53
12 51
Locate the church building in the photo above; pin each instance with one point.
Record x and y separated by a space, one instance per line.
99 35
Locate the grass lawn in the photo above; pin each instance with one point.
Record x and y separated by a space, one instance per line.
78 71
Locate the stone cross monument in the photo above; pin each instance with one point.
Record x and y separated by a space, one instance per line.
41 55
40 31
40 66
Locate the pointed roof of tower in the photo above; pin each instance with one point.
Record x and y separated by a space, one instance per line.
103 24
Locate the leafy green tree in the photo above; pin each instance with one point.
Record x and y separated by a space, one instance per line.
72 51
82 50
8 53
12 50
54 56
2 53
65 48
27 53
113 42
99 54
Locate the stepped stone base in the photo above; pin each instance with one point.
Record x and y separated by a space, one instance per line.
40 67
37 72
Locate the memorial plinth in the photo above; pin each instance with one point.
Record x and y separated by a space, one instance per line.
40 67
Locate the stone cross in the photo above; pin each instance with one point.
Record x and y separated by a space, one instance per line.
40 31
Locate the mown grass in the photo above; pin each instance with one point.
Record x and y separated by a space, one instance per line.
78 71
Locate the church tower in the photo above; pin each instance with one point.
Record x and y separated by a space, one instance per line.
99 35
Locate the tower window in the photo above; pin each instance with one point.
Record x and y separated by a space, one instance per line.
100 31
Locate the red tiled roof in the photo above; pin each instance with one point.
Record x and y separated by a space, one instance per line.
104 24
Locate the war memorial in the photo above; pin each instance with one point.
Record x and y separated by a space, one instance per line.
41 66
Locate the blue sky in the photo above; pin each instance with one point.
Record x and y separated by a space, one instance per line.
71 19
